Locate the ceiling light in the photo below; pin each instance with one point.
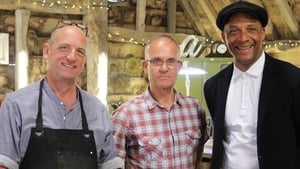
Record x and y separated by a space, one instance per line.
113 0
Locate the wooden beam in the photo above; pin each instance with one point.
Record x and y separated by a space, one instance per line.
140 15
289 18
97 73
211 14
21 21
171 16
188 10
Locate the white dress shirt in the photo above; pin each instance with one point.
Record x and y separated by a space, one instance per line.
240 143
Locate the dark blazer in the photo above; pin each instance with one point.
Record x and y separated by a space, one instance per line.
278 124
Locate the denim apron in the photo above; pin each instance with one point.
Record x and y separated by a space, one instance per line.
60 148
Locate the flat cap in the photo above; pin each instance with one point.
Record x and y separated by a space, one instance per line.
241 6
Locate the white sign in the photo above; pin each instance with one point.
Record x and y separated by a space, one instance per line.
4 48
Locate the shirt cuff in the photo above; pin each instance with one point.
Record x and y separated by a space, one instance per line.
8 162
116 163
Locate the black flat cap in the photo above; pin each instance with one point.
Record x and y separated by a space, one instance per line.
241 6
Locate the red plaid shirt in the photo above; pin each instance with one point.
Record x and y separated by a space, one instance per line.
149 136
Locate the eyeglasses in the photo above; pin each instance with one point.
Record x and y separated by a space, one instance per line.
66 22
171 63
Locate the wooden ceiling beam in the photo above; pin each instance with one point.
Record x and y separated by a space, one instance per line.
211 14
289 18
192 16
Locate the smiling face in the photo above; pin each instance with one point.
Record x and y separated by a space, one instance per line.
244 35
66 53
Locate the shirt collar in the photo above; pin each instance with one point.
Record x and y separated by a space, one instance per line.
151 102
255 70
52 94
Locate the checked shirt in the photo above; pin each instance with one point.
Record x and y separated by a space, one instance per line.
149 136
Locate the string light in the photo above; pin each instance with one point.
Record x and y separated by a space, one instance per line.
281 44
268 45
98 4
69 4
116 37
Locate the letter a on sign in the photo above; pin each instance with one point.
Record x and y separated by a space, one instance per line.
192 46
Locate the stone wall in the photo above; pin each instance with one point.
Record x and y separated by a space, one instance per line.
40 27
125 78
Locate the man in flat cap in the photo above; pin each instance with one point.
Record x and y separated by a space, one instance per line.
254 102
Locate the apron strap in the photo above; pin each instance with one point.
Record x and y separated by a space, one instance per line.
84 121
39 119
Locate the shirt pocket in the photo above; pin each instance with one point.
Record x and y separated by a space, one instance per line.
150 148
192 140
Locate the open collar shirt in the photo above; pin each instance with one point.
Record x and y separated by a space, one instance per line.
18 115
240 143
149 136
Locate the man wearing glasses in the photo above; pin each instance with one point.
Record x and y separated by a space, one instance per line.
53 124
160 128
